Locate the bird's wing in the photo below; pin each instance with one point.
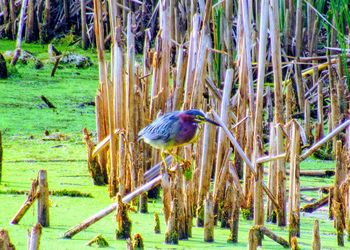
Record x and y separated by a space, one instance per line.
160 129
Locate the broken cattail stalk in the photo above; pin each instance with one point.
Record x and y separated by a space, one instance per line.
20 32
124 223
235 216
157 223
337 205
137 242
166 198
172 233
32 195
99 240
294 183
209 218
96 171
43 201
316 239
5 242
34 241
309 208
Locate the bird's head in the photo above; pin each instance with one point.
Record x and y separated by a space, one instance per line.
198 116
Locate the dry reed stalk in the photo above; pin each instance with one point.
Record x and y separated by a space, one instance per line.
279 119
96 171
298 41
31 22
189 201
84 35
316 240
294 183
166 186
258 118
247 52
289 102
337 205
335 110
209 218
20 32
172 233
191 62
165 27
43 199
207 161
181 66
102 118
180 196
234 224
124 223
154 104
143 206
227 201
34 240
132 110
307 122
272 176
224 116
228 32
32 195
5 242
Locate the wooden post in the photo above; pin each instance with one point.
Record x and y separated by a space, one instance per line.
209 218
5 243
84 36
34 241
43 200
20 32
279 119
294 183
316 240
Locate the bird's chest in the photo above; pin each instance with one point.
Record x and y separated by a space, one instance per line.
187 132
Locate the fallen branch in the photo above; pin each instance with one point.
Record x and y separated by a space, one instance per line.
48 103
104 212
324 140
274 237
309 208
32 195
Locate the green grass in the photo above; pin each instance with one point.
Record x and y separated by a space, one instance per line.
23 120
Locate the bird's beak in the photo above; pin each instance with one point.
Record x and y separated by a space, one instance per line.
212 122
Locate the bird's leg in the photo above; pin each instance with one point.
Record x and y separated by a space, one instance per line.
162 155
180 160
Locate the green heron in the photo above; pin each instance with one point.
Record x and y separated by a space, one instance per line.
173 130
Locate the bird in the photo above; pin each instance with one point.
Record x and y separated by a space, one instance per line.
174 129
